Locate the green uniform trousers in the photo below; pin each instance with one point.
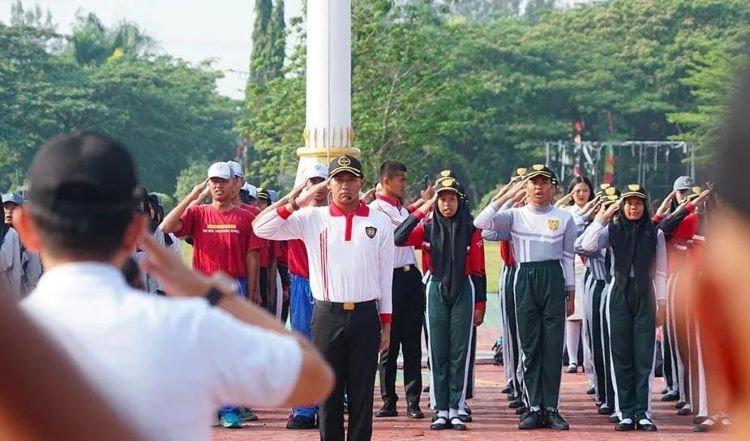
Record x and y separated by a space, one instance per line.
540 314
597 287
632 329
449 324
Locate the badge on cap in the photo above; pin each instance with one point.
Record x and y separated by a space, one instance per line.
537 167
344 161
370 232
609 191
521 171
605 186
634 187
445 173
448 182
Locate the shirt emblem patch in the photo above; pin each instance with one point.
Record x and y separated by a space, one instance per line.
370 232
553 224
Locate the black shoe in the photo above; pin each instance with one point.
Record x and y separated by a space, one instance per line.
664 391
301 423
457 424
705 426
440 423
513 397
679 404
625 425
414 412
670 396
507 389
571 369
426 389
613 418
646 425
467 409
522 410
685 410
699 419
387 411
533 420
553 420
604 410
591 390
515 404
465 418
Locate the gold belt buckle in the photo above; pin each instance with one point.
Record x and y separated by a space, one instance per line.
348 306
407 268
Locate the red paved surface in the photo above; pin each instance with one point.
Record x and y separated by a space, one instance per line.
492 419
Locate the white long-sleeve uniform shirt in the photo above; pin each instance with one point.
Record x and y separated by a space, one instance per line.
350 255
396 214
538 234
596 238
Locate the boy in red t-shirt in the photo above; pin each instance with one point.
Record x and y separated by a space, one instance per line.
223 239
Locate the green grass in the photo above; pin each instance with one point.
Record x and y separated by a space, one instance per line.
491 258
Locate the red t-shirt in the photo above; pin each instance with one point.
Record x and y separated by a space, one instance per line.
298 258
221 239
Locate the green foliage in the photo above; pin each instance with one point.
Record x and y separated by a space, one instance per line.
165 110
478 86
260 58
188 178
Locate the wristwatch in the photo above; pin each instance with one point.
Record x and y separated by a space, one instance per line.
213 296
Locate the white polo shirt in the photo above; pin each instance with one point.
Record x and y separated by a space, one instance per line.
350 255
396 215
165 364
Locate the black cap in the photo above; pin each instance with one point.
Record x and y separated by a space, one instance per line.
541 170
82 173
263 194
634 190
448 184
346 163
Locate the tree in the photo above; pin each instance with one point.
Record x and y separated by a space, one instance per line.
261 55
277 39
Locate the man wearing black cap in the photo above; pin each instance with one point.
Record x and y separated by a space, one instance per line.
543 245
165 364
350 251
30 264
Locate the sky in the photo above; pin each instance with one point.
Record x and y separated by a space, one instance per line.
195 30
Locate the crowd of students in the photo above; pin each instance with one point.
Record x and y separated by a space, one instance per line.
117 328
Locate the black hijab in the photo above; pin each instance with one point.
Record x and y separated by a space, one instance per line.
449 240
634 246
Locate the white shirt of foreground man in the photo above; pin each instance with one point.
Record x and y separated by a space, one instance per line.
166 364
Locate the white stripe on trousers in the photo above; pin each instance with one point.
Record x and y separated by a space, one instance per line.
462 402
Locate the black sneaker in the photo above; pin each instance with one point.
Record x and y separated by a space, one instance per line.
670 396
522 410
464 417
301 423
515 404
613 418
532 420
604 410
685 410
553 420
626 425
507 389
646 425
440 423
591 390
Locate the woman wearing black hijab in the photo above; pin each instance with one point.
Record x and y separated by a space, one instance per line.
456 293
639 264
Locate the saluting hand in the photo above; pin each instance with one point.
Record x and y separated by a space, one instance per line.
605 214
175 276
198 189
565 200
307 195
369 196
665 204
427 193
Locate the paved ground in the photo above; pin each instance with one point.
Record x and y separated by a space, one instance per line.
492 418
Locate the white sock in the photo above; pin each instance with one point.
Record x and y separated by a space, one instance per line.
454 413
443 414
627 421
572 335
644 421
535 408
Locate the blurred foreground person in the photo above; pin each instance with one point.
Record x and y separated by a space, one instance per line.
38 379
164 364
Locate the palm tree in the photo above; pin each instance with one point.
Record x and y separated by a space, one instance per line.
94 43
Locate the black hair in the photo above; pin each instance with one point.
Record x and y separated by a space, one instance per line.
390 168
733 156
582 179
132 274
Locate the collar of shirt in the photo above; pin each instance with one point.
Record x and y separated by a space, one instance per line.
362 211
395 202
93 272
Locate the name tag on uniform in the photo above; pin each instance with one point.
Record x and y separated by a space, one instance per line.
348 306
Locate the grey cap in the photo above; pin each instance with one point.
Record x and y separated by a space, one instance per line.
14 198
683 183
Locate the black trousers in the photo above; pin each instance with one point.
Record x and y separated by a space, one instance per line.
406 333
265 303
349 341
284 273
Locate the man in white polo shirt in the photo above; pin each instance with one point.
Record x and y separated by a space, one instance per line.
166 365
350 251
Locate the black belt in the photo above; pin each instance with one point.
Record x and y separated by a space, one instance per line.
345 306
405 269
